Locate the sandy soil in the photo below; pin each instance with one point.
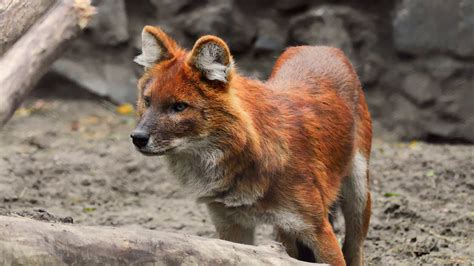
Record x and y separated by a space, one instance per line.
74 158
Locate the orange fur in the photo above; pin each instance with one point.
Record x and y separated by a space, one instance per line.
283 146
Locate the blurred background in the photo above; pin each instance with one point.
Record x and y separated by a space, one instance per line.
415 58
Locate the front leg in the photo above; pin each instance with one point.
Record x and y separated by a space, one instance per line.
227 227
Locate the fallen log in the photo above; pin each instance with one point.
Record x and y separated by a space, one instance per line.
16 17
29 58
29 242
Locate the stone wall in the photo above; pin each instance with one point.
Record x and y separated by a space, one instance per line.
414 57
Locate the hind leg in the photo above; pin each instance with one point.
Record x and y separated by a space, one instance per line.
294 246
323 242
311 237
355 203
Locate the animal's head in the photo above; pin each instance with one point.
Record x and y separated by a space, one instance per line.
183 96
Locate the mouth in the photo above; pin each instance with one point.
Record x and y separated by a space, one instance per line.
155 153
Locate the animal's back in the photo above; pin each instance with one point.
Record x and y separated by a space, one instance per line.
310 66
315 71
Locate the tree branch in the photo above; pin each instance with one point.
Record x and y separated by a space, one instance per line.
30 57
16 17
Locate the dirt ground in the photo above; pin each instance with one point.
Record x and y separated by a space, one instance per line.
74 158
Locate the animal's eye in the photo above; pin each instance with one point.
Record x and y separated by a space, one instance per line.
147 101
179 106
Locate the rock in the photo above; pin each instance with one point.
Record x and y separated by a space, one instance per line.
321 26
450 117
455 102
110 26
257 8
270 37
168 8
439 129
265 43
100 75
139 14
420 88
289 5
345 28
421 26
222 20
121 82
423 106
405 118
440 67
371 69
101 61
367 59
466 131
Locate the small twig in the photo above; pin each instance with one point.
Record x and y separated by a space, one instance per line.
22 193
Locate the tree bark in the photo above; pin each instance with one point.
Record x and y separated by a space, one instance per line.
28 242
16 17
29 58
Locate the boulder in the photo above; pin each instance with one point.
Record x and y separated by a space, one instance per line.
456 99
290 5
101 61
344 28
370 68
466 131
421 27
224 21
100 70
110 26
440 67
405 118
420 88
438 129
321 26
166 9
270 38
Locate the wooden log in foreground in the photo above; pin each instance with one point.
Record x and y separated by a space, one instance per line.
30 57
24 241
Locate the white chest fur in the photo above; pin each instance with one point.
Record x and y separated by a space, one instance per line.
199 172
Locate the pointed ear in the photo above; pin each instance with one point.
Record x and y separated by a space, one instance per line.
211 56
156 47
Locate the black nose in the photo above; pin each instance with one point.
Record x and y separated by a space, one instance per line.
140 138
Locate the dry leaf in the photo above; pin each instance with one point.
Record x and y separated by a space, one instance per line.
125 109
23 112
413 144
